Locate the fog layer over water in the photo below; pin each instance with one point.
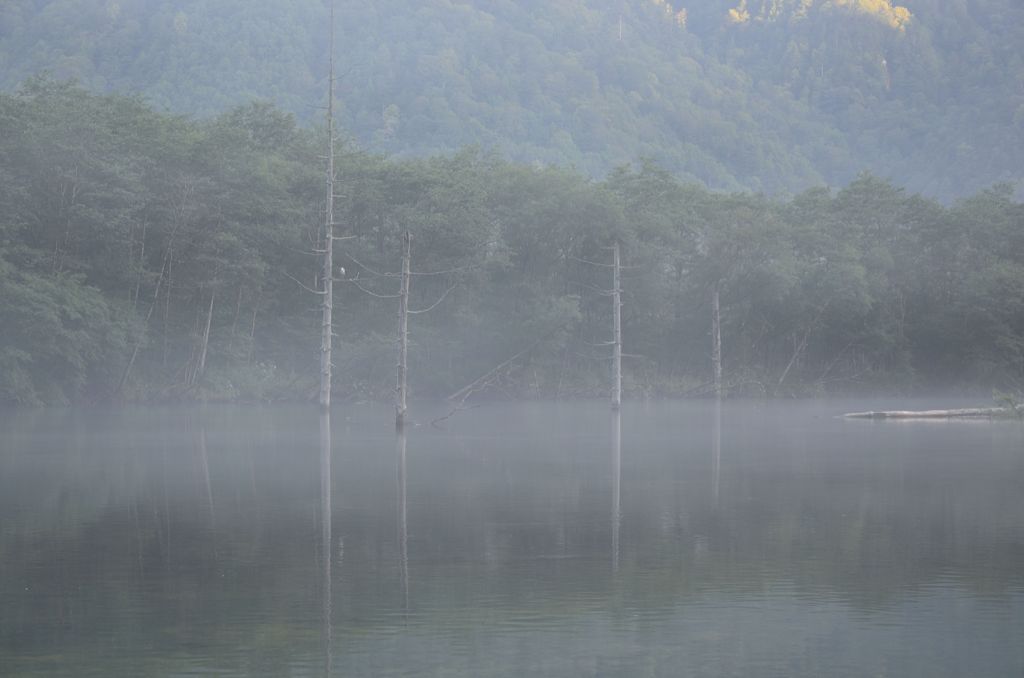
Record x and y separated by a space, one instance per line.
521 539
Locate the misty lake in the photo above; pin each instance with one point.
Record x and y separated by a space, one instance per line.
541 539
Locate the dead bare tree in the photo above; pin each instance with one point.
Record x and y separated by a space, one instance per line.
200 367
716 340
617 328
401 385
327 270
405 276
616 343
325 250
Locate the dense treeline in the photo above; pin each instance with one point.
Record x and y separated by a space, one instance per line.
149 256
757 95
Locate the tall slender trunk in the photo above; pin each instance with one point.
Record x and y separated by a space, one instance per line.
716 340
234 321
797 350
327 292
403 333
252 337
142 268
149 314
201 365
167 303
617 330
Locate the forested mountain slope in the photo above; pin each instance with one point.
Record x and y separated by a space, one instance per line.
772 95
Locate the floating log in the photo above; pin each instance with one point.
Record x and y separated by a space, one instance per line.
934 414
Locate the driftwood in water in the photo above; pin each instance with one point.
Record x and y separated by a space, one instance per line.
974 412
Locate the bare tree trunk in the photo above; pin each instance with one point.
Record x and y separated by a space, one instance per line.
801 345
61 252
142 268
403 334
617 330
149 314
167 302
327 292
716 340
234 321
252 337
201 365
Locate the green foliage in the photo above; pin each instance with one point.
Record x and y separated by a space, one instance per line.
764 95
61 338
122 230
1011 401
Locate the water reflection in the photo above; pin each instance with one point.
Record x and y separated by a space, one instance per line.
325 537
204 465
403 530
716 449
616 433
833 550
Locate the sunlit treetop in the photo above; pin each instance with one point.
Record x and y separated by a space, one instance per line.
894 16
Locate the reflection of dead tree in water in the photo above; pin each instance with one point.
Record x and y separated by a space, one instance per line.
325 535
204 470
616 430
716 450
403 526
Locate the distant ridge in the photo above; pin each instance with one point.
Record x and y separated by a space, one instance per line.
760 95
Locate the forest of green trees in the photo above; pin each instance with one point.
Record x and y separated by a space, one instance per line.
759 95
150 256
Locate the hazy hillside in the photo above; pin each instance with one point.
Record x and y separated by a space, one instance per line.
772 95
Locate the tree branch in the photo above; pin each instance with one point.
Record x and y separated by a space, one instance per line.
597 263
592 263
450 270
368 269
303 285
433 305
370 292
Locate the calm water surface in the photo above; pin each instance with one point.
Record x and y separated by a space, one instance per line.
519 540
